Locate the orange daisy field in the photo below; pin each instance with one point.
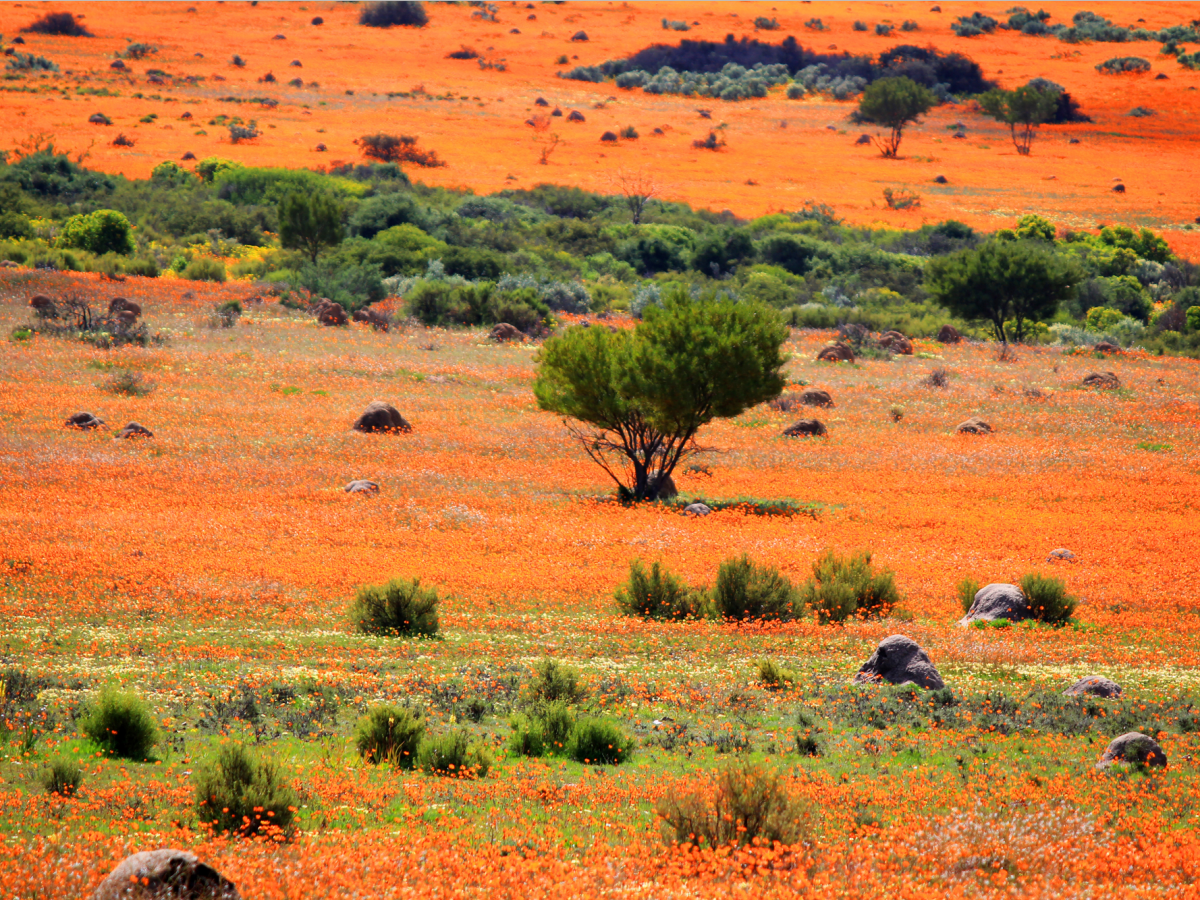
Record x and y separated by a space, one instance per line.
211 568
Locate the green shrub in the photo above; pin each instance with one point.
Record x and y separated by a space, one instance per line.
453 755
1193 319
842 587
545 731
658 594
15 225
389 734
749 805
102 231
121 725
238 792
229 312
386 13
62 24
774 676
204 268
746 590
63 777
809 735
1048 599
127 383
599 743
967 589
554 681
1119 64
397 608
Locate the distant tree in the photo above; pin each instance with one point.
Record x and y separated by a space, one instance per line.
635 398
309 222
1023 109
102 231
1002 281
638 188
398 148
393 12
61 24
894 103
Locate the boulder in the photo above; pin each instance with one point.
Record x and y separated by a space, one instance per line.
43 306
896 342
134 430
1107 347
696 509
948 334
816 397
863 139
127 317
1061 553
997 601
83 420
503 332
330 313
1095 686
575 116
9 264
664 490
805 428
900 660
836 352
974 425
120 304
1134 747
362 486
1104 380
165 875
373 317
381 418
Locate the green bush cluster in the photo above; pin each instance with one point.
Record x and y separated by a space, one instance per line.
551 725
121 725
397 608
241 793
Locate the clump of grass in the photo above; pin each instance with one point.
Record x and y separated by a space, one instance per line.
63 777
746 590
453 755
842 587
121 725
773 676
241 793
967 589
749 804
1048 599
127 383
398 608
809 735
599 742
658 594
389 734
554 681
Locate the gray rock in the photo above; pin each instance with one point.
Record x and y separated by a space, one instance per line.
381 417
362 486
134 430
900 660
1095 686
974 425
1134 747
165 875
997 601
664 490
816 397
805 428
84 420
696 509
1061 553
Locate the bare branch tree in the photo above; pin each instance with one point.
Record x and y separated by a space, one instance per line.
638 188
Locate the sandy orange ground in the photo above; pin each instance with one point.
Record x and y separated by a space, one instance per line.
784 147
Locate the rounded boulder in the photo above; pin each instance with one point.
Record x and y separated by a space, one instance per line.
1094 686
997 601
836 352
84 420
806 428
1134 747
362 486
381 418
900 660
134 430
165 875
974 425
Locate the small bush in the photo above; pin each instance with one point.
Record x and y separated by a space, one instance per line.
1048 599
61 24
773 676
555 681
658 594
229 312
762 23
238 792
139 51
748 804
63 777
901 199
393 12
629 133
849 586
204 268
938 378
746 590
127 383
27 62
967 589
599 742
815 24
809 735
453 755
882 29
398 148
464 52
397 608
714 141
860 25
239 133
237 61
389 734
545 731
102 231
1119 64
121 725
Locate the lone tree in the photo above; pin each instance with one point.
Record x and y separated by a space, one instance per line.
398 148
309 222
894 103
1003 281
1024 109
634 399
638 188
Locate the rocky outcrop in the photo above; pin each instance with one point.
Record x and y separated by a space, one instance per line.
900 660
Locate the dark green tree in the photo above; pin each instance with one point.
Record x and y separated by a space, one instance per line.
894 103
309 222
1023 109
635 399
1002 281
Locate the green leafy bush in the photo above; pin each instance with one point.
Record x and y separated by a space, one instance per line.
102 231
746 590
241 793
1119 64
1048 599
967 589
204 268
658 594
397 608
599 743
545 731
554 681
453 755
389 734
749 804
61 24
842 587
773 676
63 777
121 725
387 13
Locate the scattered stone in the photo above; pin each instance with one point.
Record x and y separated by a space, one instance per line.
84 420
900 660
836 352
1095 686
665 490
575 116
806 428
863 139
608 137
380 417
373 317
1074 141
165 875
816 397
320 148
1107 347
1134 747
974 425
948 334
541 101
997 601
696 509
330 313
1061 553
120 305
9 264
579 36
503 332
362 486
941 179
896 342
134 430
43 306
1103 380
1118 188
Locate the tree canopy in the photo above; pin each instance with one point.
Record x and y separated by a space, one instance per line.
894 103
1027 107
309 222
635 399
